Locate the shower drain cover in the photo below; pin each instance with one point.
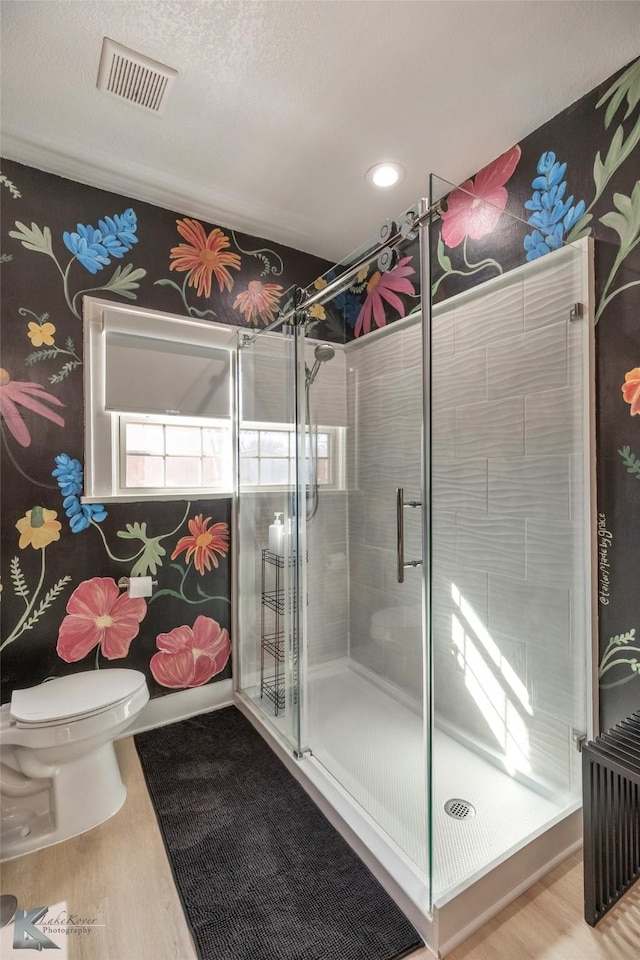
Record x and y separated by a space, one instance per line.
459 809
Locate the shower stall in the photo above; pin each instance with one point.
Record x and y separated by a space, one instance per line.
419 648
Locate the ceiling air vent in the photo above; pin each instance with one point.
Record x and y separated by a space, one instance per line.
133 77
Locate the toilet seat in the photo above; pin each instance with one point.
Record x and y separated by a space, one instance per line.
73 698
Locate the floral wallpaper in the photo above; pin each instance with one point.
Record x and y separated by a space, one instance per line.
576 176
62 610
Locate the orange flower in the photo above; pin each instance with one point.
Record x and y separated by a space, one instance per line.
204 542
202 256
258 300
631 389
38 528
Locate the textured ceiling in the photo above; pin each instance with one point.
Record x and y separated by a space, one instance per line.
280 107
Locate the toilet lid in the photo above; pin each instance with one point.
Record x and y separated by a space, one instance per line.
73 697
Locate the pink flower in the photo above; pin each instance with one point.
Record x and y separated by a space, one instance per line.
190 657
28 395
98 613
631 390
381 287
475 207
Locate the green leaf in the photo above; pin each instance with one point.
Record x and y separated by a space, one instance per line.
62 374
134 531
33 239
69 345
151 557
619 150
627 85
50 596
631 462
19 583
443 259
626 222
11 187
125 280
6 257
37 355
580 229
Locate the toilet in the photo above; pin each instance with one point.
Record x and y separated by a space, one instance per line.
59 774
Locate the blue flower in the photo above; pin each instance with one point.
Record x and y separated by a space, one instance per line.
87 246
94 248
552 216
70 477
348 302
69 474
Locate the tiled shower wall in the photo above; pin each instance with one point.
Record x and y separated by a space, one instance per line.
508 513
510 643
384 403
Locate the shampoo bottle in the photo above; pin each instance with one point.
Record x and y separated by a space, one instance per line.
276 531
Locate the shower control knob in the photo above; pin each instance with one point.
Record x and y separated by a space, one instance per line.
387 230
387 259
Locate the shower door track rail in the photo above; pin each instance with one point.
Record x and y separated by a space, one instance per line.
407 230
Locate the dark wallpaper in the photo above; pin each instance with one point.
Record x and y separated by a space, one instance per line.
61 608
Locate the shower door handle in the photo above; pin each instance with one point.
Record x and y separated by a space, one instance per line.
400 505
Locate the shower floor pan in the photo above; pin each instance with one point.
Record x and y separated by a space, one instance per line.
366 774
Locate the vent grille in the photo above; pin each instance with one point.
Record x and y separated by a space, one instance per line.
133 77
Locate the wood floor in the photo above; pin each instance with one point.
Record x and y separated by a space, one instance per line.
118 874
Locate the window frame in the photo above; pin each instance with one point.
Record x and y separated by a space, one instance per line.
336 457
103 452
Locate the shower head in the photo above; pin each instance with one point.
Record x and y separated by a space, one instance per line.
322 353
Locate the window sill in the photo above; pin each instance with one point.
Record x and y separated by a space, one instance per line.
141 497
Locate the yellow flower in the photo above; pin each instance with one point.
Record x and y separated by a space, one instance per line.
317 311
361 275
38 528
40 333
320 283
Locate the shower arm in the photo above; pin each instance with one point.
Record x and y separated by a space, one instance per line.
390 235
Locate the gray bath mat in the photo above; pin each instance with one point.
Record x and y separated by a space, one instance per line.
261 872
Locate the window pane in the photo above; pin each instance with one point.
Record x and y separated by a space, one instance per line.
184 441
214 472
274 471
216 441
248 443
145 438
274 444
323 471
323 444
145 471
249 470
183 472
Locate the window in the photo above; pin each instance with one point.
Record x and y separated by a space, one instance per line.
267 455
175 454
158 405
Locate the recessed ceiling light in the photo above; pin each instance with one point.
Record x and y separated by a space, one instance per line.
385 174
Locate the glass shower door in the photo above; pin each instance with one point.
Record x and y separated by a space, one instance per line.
365 646
510 580
271 575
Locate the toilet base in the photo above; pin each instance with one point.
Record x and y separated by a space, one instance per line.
80 795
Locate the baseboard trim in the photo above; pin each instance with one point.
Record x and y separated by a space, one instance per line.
181 705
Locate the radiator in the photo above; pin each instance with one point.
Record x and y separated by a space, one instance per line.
611 805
